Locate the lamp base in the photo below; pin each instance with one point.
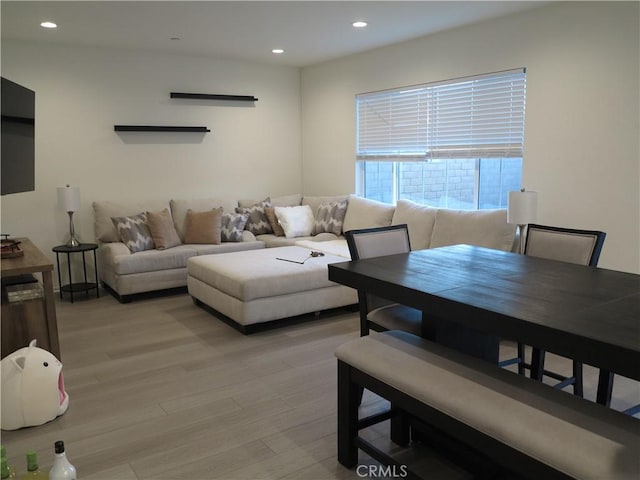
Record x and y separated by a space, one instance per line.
73 241
521 237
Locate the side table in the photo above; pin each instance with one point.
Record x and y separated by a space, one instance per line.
85 286
24 321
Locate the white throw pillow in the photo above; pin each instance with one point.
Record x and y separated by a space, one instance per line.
295 221
365 213
419 219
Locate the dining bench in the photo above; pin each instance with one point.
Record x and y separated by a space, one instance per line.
522 426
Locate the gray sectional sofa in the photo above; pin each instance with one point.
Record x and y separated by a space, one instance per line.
125 273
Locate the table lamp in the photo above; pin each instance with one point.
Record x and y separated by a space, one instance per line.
69 201
522 209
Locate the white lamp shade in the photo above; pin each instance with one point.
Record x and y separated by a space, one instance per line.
522 208
69 198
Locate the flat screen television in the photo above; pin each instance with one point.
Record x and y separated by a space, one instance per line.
18 138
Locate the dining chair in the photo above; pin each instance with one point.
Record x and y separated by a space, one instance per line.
377 313
570 245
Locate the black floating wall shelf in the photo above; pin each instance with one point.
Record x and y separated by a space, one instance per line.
15 119
158 128
207 96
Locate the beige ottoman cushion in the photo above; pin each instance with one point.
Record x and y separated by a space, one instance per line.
260 274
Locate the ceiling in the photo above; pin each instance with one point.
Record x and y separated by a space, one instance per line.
310 32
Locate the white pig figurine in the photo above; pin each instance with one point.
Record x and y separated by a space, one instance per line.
32 388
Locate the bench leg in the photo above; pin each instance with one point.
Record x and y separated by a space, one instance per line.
537 364
578 383
521 363
400 427
360 394
605 388
348 402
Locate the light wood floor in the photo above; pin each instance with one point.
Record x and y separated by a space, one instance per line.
160 389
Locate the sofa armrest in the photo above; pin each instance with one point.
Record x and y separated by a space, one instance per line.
114 249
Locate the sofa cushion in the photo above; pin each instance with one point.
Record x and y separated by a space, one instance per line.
133 232
232 226
329 218
287 200
179 209
419 219
204 227
483 228
257 222
105 231
147 261
292 200
270 212
366 213
295 221
162 229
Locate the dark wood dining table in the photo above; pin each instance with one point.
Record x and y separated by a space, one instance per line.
583 313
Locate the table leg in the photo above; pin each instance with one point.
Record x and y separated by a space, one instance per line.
84 267
428 327
70 280
605 387
95 269
59 277
462 338
50 311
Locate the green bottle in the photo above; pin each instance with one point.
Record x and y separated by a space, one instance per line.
7 472
33 471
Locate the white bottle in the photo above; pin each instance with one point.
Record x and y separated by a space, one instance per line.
61 469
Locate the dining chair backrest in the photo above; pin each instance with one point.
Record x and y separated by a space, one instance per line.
378 241
582 247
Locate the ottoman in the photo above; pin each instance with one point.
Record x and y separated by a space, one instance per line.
258 286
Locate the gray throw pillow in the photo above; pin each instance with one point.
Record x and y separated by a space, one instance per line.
258 223
330 217
233 225
134 232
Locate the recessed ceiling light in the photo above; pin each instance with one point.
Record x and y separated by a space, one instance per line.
277 51
48 25
359 24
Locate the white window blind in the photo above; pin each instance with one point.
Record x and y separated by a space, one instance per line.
473 117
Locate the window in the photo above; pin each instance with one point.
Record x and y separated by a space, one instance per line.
455 144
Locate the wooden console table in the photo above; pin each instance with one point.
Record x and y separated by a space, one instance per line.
29 319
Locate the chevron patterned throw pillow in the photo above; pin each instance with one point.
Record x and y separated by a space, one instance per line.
330 217
134 232
258 222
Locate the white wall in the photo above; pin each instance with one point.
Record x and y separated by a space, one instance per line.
252 151
582 150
